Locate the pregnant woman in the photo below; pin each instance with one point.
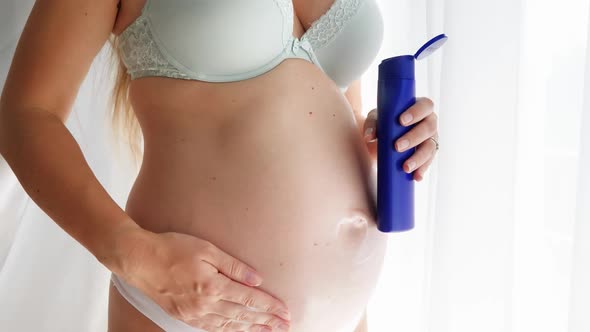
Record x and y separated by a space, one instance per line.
254 164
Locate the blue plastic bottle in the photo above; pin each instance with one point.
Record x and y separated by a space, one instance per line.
396 93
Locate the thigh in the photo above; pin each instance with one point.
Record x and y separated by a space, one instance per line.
123 317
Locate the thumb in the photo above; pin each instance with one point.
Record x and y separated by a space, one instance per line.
370 126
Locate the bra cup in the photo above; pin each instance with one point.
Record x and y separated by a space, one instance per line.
351 52
217 37
224 41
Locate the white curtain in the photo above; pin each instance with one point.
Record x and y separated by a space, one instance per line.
502 236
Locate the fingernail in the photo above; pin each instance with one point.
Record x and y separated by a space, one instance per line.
284 327
401 145
406 118
368 131
253 279
411 166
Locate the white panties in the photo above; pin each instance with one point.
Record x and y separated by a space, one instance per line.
156 314
150 309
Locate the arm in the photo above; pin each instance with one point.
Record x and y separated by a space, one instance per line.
353 95
57 47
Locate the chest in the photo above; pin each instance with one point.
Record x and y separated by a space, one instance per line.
237 39
308 11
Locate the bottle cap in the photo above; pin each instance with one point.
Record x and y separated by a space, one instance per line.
402 67
430 46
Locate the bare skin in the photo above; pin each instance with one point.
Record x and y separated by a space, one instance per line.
242 163
272 170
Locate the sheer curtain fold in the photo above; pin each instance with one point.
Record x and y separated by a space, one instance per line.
492 247
502 218
580 285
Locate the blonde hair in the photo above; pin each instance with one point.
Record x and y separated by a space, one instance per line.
125 126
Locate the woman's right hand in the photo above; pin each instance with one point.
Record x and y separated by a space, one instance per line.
199 284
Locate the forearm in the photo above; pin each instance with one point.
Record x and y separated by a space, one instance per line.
51 168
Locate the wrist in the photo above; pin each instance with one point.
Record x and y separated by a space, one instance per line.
121 244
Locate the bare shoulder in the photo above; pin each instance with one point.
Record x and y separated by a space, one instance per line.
59 41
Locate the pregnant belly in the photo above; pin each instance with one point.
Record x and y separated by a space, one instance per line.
285 186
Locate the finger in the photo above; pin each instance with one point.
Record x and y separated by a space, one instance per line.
207 325
187 310
230 266
424 152
423 108
253 298
224 323
418 134
257 328
198 324
237 312
421 171
212 328
370 126
372 148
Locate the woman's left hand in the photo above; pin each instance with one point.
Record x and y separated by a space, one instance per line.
422 114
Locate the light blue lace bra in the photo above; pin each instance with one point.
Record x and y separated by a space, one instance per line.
223 40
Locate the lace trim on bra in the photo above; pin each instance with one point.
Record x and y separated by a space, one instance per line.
327 27
142 57
323 30
141 54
